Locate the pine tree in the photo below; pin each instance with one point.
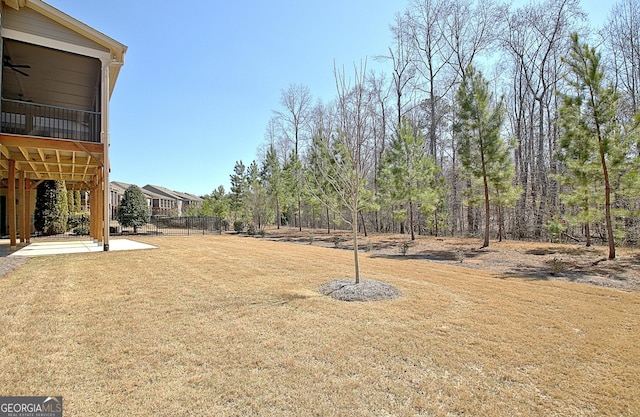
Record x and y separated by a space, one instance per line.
133 211
483 154
238 190
594 146
408 175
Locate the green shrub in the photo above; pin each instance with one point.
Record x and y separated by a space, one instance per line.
82 230
251 230
238 226
77 219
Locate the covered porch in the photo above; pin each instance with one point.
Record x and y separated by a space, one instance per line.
58 75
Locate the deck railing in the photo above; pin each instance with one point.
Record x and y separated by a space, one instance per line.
33 119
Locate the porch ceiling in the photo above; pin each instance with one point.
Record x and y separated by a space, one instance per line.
51 159
54 78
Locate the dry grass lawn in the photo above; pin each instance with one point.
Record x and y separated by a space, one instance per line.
232 326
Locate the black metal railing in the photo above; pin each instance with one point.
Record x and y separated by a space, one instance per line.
33 119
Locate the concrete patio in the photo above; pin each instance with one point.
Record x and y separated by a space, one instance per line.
70 246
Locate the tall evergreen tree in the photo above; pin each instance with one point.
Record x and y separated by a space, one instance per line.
238 190
51 211
408 175
483 154
595 147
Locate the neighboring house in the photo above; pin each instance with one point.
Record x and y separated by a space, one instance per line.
171 203
189 200
166 203
58 75
162 201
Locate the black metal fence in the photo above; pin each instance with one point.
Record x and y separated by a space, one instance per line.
171 226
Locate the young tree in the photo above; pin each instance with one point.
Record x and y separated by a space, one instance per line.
483 153
348 175
592 135
133 210
408 174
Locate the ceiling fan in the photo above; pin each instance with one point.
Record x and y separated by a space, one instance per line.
6 62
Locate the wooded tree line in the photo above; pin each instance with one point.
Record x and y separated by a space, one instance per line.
509 122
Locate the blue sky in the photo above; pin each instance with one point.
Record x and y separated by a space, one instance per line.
202 77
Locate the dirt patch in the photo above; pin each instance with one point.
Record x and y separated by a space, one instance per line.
513 259
365 290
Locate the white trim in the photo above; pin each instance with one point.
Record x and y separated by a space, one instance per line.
106 169
55 44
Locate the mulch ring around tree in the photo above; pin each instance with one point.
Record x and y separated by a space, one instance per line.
367 290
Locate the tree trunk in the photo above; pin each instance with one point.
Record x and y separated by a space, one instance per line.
299 213
328 222
500 223
607 205
413 236
487 212
364 226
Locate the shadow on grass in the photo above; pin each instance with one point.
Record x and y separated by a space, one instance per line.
610 276
434 255
563 251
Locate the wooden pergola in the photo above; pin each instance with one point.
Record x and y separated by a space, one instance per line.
57 78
